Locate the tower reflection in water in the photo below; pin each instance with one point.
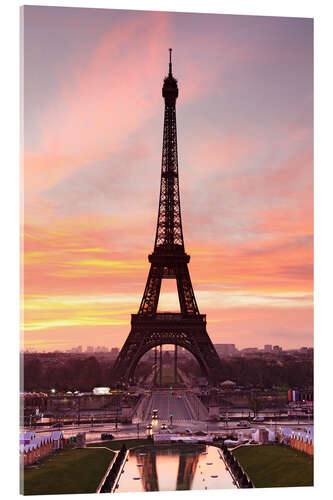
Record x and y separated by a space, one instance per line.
179 468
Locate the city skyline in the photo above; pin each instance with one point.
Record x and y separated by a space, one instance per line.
245 166
84 349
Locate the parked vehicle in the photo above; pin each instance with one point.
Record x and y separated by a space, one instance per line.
107 436
243 423
188 431
258 419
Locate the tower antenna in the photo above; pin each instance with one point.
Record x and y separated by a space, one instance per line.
170 62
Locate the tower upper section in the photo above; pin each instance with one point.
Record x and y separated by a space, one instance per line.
170 88
169 232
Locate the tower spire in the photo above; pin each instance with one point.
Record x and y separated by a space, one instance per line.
170 62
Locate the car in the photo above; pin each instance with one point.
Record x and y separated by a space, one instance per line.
164 426
107 436
57 425
188 431
149 426
243 423
258 419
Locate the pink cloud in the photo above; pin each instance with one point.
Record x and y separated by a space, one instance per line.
101 103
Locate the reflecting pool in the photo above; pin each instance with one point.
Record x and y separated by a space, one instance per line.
182 467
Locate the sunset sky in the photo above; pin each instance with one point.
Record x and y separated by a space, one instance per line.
93 119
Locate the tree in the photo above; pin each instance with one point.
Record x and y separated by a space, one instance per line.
33 372
255 403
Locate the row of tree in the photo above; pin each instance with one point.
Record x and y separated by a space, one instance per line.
84 373
72 374
258 372
236 469
114 471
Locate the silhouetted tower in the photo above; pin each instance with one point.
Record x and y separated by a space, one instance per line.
169 260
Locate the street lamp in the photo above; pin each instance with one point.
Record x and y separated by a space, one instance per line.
117 409
78 414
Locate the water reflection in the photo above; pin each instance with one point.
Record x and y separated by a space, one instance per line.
148 473
182 467
188 462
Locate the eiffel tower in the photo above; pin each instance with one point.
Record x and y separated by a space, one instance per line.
150 328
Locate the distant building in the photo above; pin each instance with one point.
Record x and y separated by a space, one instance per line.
268 348
101 349
277 349
228 384
225 350
250 350
263 436
90 349
114 352
75 350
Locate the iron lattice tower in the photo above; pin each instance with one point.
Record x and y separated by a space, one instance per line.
150 328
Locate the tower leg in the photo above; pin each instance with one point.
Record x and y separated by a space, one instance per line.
160 365
175 365
155 365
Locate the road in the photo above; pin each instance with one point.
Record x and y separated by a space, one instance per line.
185 415
93 434
168 404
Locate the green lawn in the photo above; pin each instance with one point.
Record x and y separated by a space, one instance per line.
68 471
117 444
271 466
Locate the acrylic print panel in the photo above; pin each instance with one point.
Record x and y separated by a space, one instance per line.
122 391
